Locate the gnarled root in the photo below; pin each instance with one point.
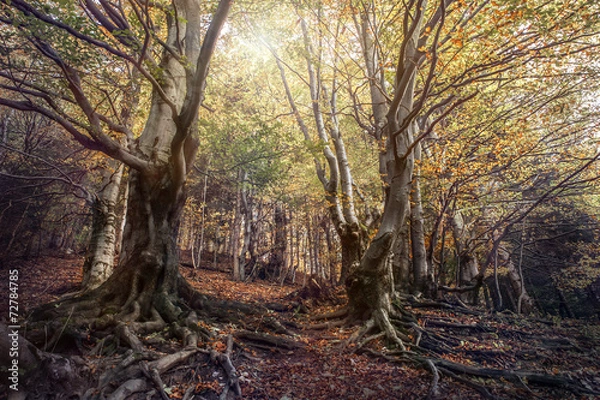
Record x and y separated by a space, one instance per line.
133 325
233 380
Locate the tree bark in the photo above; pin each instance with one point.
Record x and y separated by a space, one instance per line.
401 261
527 304
99 261
279 242
148 274
370 285
417 232
238 262
466 262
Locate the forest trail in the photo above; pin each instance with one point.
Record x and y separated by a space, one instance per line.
316 364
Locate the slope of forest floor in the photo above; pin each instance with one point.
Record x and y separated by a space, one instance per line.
317 364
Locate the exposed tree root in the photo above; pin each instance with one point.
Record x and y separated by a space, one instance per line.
129 322
433 390
517 376
233 380
328 325
400 328
128 388
479 388
339 313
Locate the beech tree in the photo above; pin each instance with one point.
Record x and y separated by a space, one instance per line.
332 166
52 53
430 79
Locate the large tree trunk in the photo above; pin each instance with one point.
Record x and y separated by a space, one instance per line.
148 273
144 286
370 285
401 261
352 250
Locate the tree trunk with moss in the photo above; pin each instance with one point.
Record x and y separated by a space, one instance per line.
401 264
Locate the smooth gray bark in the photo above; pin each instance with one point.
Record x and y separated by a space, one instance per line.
99 261
417 231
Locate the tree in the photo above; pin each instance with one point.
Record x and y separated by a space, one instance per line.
476 168
432 77
78 43
371 283
336 176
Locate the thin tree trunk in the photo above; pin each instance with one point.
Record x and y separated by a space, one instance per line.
467 264
401 260
203 219
524 303
236 231
279 241
417 233
336 177
99 261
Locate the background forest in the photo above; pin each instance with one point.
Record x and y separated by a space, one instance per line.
435 149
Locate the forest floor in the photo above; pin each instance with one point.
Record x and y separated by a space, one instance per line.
319 364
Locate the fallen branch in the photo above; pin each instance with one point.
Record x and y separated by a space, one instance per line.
265 339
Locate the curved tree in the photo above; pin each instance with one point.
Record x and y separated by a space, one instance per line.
72 62
332 166
449 53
